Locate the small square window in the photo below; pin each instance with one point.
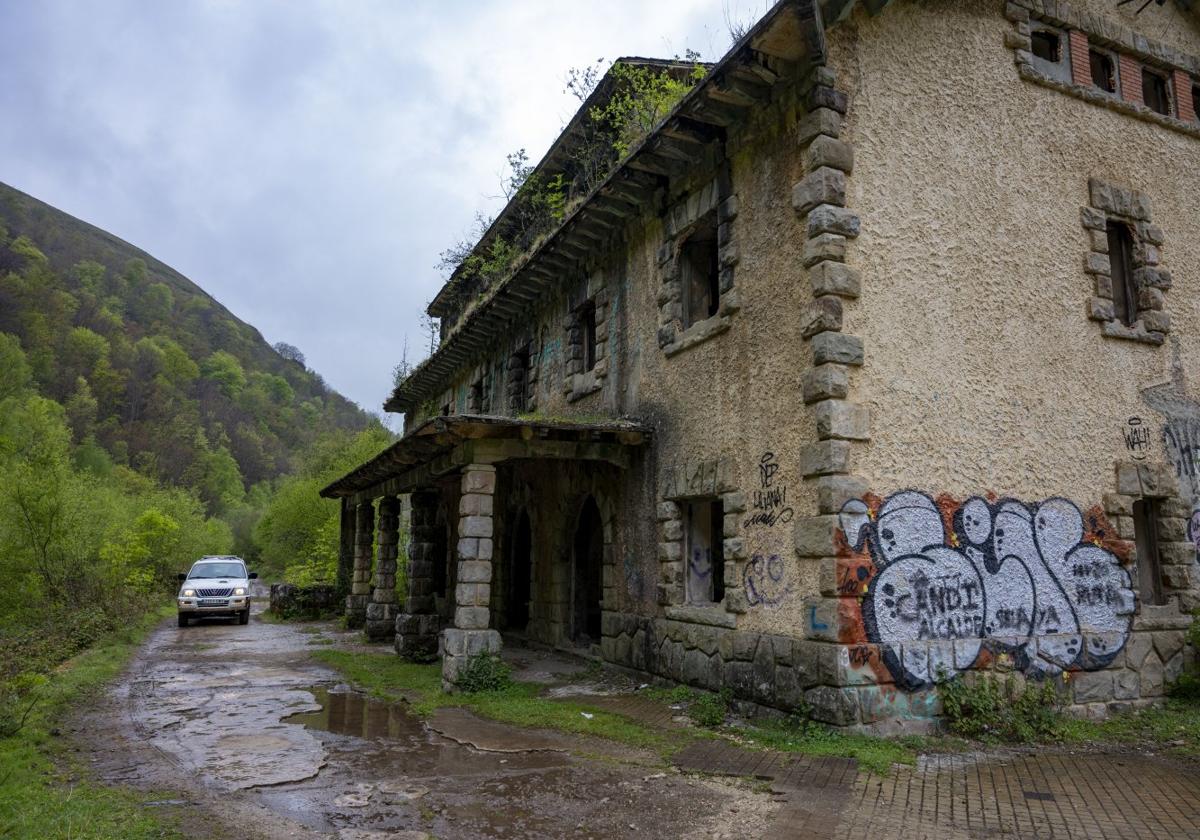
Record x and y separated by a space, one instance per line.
705 520
1120 257
1047 45
1145 529
587 326
1104 72
1156 92
701 273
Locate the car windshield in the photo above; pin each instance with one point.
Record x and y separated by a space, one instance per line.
217 570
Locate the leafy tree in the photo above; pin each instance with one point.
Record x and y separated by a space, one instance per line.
289 352
81 410
224 369
14 369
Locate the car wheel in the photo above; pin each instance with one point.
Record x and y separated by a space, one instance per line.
183 620
244 616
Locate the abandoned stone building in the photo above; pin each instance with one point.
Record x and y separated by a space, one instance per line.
871 363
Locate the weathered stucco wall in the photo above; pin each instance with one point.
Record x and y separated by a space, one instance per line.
1025 432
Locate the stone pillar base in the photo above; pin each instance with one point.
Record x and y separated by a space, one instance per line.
417 636
356 611
381 622
458 646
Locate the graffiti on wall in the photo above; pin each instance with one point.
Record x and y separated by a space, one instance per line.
1018 578
1137 438
765 579
769 504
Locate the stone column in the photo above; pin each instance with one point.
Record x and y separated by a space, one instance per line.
360 582
345 566
470 634
381 611
417 625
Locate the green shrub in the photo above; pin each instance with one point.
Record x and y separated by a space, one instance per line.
709 710
484 672
988 708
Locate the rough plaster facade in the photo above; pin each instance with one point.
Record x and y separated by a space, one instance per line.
927 452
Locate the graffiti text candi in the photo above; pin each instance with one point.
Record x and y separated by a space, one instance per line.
1015 577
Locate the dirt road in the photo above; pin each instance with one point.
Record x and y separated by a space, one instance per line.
243 734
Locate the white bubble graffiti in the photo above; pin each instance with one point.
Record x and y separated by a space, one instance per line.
1017 577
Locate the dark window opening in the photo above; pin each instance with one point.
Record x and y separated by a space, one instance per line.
701 273
588 574
1155 92
1120 257
439 558
1047 46
705 522
1196 101
520 574
446 410
1104 73
587 326
1145 529
478 401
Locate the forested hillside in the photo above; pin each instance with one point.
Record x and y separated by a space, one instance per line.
142 425
154 373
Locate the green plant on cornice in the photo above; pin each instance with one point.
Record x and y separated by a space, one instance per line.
641 98
538 202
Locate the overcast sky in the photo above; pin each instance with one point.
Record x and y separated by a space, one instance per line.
305 162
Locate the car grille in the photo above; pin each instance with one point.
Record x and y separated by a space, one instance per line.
214 593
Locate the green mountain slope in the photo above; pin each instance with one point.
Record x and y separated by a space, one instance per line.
152 371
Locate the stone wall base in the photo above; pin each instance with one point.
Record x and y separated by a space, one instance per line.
458 646
381 622
417 636
848 685
356 610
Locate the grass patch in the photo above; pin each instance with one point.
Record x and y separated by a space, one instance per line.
387 676
1173 728
42 793
808 738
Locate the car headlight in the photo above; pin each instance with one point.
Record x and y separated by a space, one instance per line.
241 590
188 593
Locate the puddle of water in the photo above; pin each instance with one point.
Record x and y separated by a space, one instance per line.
348 713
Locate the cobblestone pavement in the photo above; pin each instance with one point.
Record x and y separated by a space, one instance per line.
1001 794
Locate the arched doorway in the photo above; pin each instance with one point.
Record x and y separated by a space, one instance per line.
519 574
587 575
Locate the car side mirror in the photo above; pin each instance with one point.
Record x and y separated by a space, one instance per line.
253 576
181 576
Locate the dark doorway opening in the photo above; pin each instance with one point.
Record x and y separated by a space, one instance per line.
520 573
587 586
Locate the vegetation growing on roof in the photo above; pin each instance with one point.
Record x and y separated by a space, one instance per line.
639 96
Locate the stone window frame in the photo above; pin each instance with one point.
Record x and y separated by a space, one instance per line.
694 480
1131 50
577 382
1131 208
1177 554
480 396
682 219
1061 69
526 401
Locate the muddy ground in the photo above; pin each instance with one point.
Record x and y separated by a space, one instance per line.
238 732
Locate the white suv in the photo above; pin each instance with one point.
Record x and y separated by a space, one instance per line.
215 586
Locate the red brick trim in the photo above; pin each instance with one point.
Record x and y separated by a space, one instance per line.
1185 108
1081 63
1131 79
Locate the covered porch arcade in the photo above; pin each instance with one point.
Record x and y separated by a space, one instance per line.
450 468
